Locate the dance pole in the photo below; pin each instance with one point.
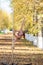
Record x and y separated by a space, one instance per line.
13 45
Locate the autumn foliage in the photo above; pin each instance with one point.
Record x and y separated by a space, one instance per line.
27 9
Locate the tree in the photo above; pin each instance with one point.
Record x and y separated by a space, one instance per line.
25 9
5 20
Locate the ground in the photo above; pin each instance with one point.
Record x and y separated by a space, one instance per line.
24 51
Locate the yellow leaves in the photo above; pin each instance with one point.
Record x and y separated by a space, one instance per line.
25 9
5 20
33 28
21 11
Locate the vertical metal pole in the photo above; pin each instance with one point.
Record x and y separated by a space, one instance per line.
13 48
13 43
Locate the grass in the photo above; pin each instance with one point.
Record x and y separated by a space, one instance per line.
1 32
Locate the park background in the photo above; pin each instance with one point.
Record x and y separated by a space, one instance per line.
25 14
